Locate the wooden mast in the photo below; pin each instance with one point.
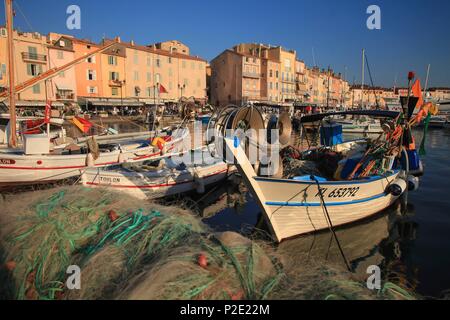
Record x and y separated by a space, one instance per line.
12 141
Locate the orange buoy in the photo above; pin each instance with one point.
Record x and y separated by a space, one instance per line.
10 265
112 215
202 261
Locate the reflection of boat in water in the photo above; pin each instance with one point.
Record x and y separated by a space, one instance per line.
375 241
359 243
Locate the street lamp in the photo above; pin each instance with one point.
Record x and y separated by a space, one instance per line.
181 87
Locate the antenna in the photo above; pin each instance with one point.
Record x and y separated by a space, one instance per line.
314 57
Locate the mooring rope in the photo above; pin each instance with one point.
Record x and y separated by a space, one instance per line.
330 224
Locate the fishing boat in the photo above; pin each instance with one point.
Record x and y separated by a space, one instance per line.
36 163
361 126
365 179
156 179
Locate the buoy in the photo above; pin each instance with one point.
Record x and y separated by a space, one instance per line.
90 160
10 265
113 216
397 187
413 183
202 260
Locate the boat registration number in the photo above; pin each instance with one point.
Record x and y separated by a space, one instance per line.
339 192
109 180
7 161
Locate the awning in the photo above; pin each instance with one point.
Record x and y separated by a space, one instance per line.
111 102
369 113
30 103
63 88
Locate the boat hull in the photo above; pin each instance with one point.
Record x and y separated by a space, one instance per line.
152 187
295 207
20 169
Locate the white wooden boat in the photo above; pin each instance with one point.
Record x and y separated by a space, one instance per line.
294 207
173 177
20 167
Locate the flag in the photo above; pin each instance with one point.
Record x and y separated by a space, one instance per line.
48 111
162 89
417 92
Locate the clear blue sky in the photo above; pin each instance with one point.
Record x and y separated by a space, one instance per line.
414 33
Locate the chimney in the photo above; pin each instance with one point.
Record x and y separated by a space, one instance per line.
117 39
132 43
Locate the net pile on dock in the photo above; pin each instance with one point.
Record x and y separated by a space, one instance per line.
129 249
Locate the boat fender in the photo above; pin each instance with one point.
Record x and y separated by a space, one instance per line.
397 187
199 184
413 183
90 160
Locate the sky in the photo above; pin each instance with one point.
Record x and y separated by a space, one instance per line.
413 33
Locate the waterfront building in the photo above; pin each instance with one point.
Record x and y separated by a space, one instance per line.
31 58
252 72
63 86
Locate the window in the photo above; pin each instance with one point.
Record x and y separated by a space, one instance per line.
32 50
37 88
276 85
149 61
271 85
33 69
157 78
114 76
136 58
92 90
169 59
149 91
149 76
270 73
276 74
136 76
91 59
60 54
158 62
91 75
112 60
114 91
3 32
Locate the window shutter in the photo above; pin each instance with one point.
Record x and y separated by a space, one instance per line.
29 69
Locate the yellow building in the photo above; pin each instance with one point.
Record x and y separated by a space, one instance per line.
30 59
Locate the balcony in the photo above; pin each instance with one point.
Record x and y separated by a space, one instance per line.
253 75
34 57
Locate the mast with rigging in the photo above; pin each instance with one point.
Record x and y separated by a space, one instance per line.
12 141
